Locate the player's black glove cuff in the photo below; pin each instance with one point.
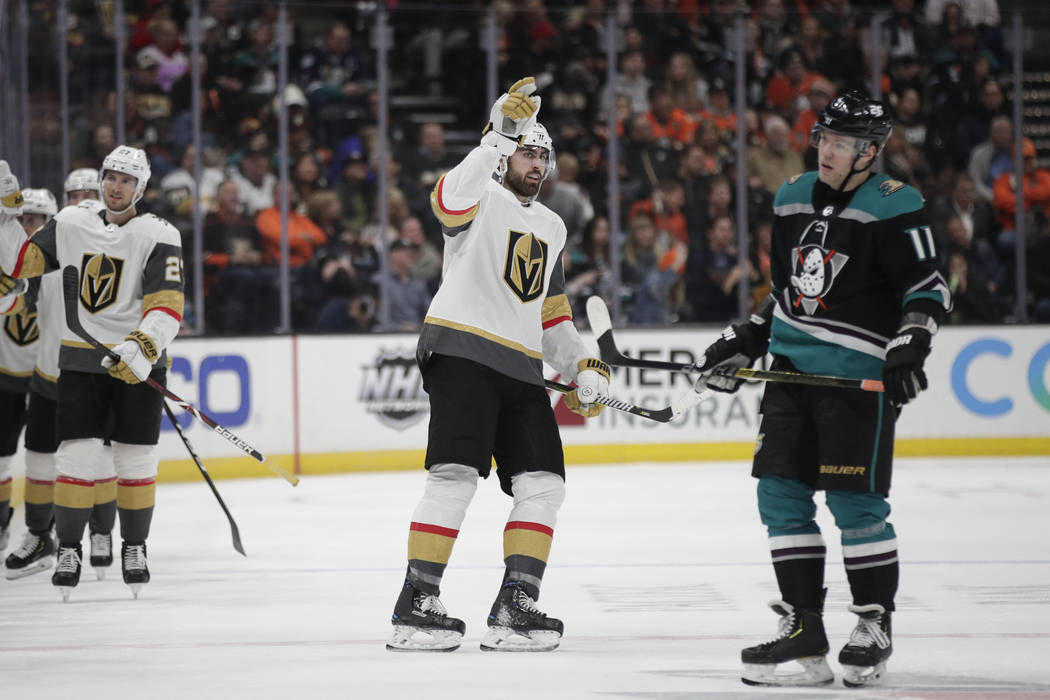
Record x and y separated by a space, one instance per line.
902 374
739 346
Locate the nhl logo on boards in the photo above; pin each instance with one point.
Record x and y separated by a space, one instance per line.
392 389
100 277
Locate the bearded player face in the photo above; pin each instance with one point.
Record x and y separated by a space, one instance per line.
525 170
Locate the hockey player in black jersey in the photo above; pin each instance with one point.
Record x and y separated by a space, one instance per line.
855 293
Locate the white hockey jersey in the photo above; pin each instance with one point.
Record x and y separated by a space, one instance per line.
125 273
502 281
19 343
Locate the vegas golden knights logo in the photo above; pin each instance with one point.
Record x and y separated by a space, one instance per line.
99 280
22 327
526 265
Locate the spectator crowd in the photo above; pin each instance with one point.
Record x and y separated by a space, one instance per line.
672 108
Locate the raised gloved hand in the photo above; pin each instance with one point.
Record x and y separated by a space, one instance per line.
137 354
10 192
511 116
592 380
738 346
902 373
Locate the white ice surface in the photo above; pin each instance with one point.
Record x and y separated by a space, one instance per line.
660 572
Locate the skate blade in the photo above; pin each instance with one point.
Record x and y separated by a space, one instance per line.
34 568
100 573
814 671
65 591
407 638
861 676
506 639
135 588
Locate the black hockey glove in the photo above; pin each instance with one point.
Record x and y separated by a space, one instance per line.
739 346
902 374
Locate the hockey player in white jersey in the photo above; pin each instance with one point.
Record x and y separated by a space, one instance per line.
19 340
37 549
131 299
501 311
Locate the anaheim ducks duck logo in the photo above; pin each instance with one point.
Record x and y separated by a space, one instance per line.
100 277
814 269
22 327
526 266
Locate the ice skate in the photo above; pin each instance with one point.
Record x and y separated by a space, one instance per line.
864 657
516 624
67 571
421 623
34 555
800 639
133 566
5 528
101 553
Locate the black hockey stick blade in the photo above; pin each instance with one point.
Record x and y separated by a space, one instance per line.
70 292
234 530
660 415
601 325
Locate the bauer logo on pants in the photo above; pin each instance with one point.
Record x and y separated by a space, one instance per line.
526 266
392 389
99 280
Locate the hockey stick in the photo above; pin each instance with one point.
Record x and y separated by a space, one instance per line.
660 415
601 325
70 291
234 531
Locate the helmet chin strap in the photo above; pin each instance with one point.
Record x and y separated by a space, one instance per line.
853 171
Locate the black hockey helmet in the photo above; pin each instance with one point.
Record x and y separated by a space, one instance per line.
855 114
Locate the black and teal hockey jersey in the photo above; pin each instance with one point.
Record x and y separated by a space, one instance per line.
844 267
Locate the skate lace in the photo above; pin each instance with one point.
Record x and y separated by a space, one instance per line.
432 604
526 603
784 627
100 542
135 557
68 560
869 632
29 545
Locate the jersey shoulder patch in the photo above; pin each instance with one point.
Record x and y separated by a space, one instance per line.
882 197
797 189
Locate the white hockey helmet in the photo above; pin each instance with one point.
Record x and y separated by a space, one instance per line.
39 201
130 161
81 179
535 137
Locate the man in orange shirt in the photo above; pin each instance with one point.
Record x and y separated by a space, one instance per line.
304 236
665 209
1036 194
668 121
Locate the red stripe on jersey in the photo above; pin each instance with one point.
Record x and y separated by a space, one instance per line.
74 482
522 525
21 259
135 482
555 321
171 312
5 481
38 482
105 481
434 529
441 202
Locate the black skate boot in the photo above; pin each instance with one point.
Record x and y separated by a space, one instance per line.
5 528
67 571
516 624
101 553
36 554
421 623
800 638
864 657
133 565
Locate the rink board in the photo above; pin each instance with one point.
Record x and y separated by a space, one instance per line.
329 404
